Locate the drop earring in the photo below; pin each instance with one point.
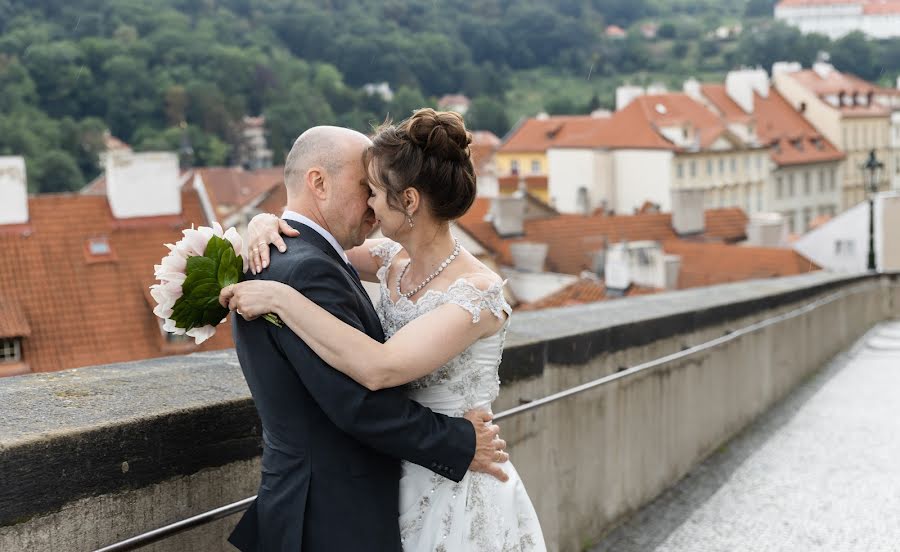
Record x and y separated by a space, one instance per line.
410 219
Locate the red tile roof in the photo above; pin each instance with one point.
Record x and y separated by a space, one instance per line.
585 290
882 7
484 145
676 109
630 127
13 322
231 188
836 82
274 201
704 264
728 108
573 239
88 311
792 138
538 134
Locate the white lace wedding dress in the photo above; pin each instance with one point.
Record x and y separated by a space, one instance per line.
480 513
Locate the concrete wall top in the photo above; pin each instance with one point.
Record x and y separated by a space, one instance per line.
124 426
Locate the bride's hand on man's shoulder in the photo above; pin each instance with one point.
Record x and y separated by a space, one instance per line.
265 229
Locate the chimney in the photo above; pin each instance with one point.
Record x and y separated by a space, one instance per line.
617 272
687 212
13 190
823 69
508 215
624 95
672 268
528 256
691 87
143 184
741 84
766 230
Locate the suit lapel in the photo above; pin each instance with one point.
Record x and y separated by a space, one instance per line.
309 235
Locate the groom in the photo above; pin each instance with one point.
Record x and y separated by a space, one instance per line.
330 468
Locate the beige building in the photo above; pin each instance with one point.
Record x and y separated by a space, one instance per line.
855 115
654 145
805 178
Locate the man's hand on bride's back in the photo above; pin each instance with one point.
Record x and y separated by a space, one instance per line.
490 450
265 229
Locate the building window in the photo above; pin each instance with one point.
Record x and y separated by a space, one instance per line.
759 162
721 166
693 167
807 218
679 169
514 166
733 165
759 201
10 349
535 167
779 187
843 248
709 167
806 186
790 185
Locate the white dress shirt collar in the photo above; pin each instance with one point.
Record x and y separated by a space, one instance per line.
297 217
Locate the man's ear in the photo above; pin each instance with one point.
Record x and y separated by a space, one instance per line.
316 182
411 200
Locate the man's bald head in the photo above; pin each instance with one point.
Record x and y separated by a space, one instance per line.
327 147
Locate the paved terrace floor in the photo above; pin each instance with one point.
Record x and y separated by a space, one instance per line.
818 472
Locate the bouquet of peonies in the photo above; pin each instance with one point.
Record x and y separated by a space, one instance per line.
191 277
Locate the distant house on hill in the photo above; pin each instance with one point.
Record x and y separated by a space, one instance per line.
454 102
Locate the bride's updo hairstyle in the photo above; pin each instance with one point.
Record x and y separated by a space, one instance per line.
429 152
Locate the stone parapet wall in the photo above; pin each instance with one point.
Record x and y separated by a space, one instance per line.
91 456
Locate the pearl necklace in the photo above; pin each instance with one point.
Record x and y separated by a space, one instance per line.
431 277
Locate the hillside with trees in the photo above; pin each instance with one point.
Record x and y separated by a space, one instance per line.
159 73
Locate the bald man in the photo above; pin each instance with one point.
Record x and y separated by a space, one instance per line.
331 448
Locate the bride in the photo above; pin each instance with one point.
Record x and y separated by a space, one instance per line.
444 317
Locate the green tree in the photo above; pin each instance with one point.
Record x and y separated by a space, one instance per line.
405 101
856 54
55 171
486 113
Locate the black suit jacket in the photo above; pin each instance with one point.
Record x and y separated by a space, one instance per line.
330 468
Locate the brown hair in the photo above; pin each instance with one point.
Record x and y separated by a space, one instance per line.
429 151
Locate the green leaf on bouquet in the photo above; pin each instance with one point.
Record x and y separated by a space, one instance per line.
206 275
228 272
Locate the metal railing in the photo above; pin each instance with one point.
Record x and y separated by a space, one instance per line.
161 533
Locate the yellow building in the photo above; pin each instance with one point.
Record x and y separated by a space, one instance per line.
521 160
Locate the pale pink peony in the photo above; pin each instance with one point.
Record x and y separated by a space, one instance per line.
171 274
202 333
237 243
194 242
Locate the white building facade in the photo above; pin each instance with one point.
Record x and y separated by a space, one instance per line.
875 18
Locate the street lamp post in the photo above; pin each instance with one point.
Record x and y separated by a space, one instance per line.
872 169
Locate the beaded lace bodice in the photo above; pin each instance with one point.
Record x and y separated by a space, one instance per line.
469 380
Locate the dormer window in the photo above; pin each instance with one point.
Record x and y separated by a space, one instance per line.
98 250
99 246
10 350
